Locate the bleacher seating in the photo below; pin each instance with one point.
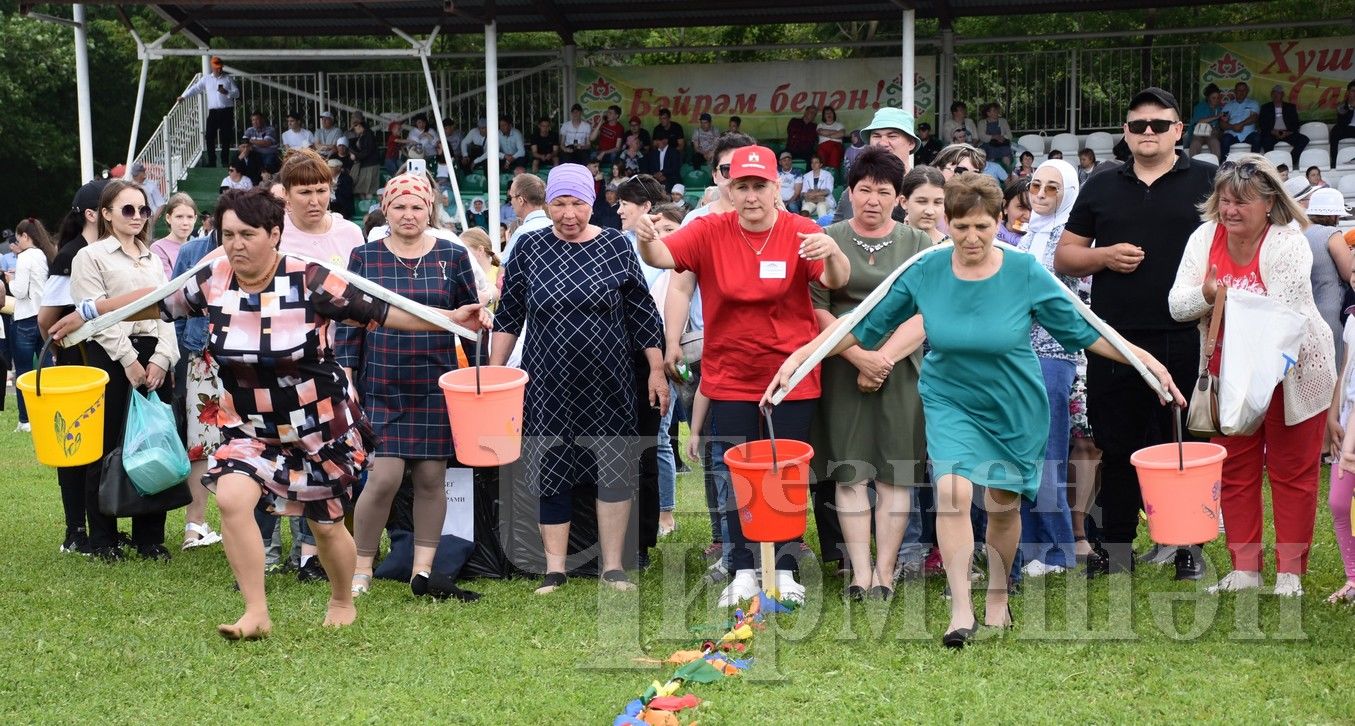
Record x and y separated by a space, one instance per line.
1345 158
1207 156
1278 157
1102 143
1067 143
1347 186
1316 131
1034 143
1320 158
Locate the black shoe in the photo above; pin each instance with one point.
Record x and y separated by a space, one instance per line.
880 592
122 539
855 593
440 587
155 552
77 542
959 638
109 554
643 561
312 571
1099 563
1189 563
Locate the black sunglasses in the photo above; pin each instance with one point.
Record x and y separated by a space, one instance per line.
129 211
1244 171
962 170
724 170
1158 125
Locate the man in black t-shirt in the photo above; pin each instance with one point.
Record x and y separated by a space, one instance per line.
667 129
1128 230
544 145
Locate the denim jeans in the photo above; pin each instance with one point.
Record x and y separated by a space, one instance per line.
25 346
913 548
1046 524
667 462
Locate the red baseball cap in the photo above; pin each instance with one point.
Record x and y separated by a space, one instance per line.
755 161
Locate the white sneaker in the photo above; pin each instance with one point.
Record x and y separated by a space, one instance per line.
24 428
1037 568
1236 581
742 587
788 589
1287 584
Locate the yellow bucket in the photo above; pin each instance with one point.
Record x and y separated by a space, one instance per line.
66 408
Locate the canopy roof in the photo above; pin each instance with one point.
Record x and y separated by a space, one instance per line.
207 19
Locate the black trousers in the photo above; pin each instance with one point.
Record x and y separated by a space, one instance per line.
1125 416
149 529
220 132
647 424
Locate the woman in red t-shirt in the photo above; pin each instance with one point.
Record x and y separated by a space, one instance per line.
1246 243
753 266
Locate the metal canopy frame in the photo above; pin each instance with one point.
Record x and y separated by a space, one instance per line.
202 21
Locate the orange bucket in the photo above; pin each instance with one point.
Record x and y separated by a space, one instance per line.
486 426
772 498
1181 491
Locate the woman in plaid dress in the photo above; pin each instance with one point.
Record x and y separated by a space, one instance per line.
396 374
293 431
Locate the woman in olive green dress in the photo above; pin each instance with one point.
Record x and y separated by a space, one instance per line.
869 422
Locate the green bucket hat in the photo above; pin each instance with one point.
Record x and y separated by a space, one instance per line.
891 118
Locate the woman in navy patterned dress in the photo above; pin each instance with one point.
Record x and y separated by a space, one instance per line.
396 377
292 429
580 289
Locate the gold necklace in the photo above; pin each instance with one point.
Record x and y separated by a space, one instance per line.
766 240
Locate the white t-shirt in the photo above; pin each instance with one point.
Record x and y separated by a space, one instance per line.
835 126
243 184
302 139
1348 395
788 181
571 135
30 279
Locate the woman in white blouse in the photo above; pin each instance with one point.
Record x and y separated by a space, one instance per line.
816 190
1246 243
135 354
36 250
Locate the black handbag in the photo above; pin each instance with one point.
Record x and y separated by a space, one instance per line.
118 497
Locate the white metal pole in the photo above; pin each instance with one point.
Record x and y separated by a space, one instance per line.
82 95
136 117
947 77
447 154
492 126
568 57
909 65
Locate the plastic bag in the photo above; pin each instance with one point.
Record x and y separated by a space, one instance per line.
1261 340
152 453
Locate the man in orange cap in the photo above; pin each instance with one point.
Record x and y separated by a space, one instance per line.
221 96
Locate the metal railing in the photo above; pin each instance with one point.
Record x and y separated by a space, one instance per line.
1077 90
176 144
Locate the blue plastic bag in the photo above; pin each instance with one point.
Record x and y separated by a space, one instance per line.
152 454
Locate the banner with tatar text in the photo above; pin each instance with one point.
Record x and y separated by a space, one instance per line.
1313 71
764 95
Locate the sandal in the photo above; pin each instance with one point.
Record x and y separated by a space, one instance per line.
205 536
1081 559
361 587
551 582
617 580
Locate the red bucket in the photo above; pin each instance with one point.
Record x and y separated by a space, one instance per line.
772 499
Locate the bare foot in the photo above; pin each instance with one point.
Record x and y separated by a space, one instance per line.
340 614
997 614
248 627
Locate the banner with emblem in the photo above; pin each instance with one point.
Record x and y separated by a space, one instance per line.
1312 71
764 95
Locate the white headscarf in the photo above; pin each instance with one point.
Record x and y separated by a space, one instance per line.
1040 239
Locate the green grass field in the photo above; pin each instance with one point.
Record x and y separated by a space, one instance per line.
136 643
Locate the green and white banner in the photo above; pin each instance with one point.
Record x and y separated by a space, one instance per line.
1313 71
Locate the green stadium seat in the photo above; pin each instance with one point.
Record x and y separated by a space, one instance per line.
698 179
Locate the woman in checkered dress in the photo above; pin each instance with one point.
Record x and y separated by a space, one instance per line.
293 431
396 377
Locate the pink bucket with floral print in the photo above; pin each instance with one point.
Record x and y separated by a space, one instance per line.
1181 491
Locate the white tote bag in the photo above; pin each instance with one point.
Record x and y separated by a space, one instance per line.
1261 339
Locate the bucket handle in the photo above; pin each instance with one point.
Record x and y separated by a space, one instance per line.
1180 447
771 434
479 341
42 356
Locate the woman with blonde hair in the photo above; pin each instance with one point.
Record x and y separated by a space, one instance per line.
1246 243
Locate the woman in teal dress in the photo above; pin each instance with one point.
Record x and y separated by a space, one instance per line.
983 394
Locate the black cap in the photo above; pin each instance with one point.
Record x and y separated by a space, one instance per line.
1157 96
87 197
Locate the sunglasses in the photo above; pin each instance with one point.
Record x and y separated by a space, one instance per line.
131 211
1158 125
1035 187
961 170
1243 171
724 170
